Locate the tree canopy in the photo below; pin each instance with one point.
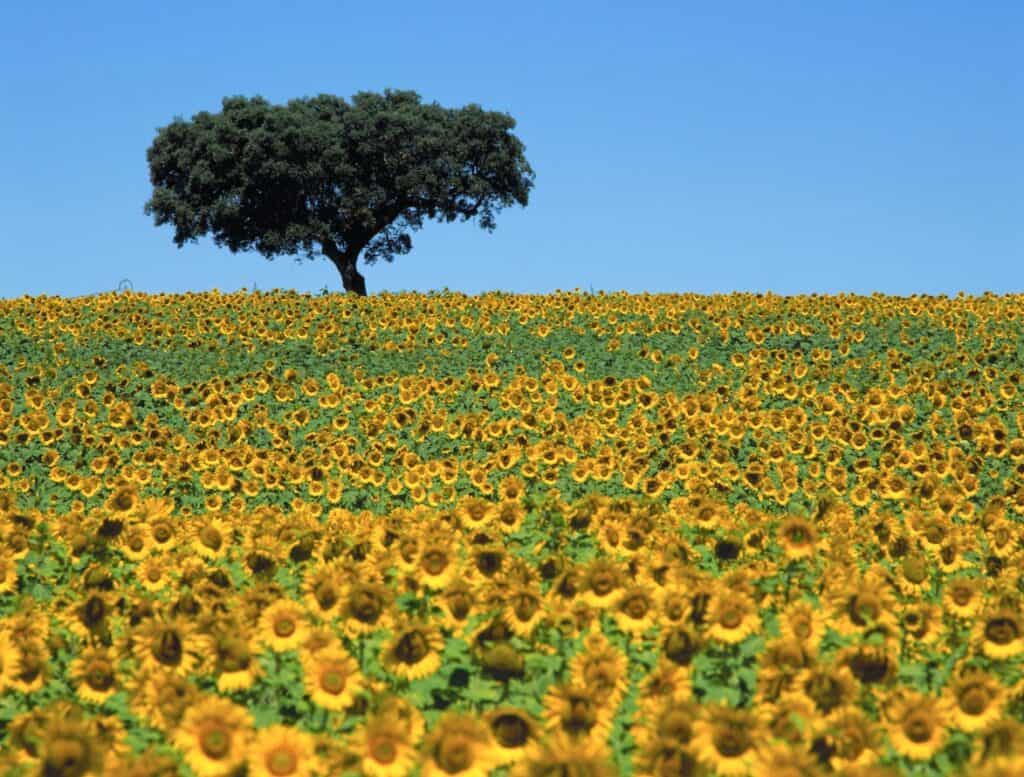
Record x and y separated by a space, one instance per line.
320 175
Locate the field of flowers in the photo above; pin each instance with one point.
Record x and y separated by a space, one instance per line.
272 534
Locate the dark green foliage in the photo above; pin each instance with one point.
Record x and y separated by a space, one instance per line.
322 175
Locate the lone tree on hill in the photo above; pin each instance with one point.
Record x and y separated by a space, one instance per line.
322 175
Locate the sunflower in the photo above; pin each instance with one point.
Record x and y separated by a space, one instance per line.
170 642
673 603
383 747
161 696
31 670
214 735
283 626
635 611
831 687
135 542
963 596
791 719
524 607
1000 633
413 652
861 603
804 620
680 644
281 751
10 661
915 724
665 682
798 537
235 665
870 664
513 730
921 624
974 699
154 574
438 562
332 678
603 581
94 675
669 724
365 608
602 669
778 664
458 602
577 711
914 575
323 588
726 740
783 760
854 740
70 745
461 745
210 537
732 617
561 753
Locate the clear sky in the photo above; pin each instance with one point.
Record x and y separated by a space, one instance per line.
791 147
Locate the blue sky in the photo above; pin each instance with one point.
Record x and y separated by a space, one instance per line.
791 147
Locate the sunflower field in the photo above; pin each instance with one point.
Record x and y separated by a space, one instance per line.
280 535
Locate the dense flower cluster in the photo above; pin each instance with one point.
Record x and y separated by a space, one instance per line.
787 574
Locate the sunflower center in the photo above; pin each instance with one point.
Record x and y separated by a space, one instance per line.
282 761
325 595
454 755
284 627
434 562
365 606
100 678
64 756
153 574
974 700
162 533
210 537
603 583
215 743
168 649
510 730
731 618
1002 631
136 544
383 750
917 729
797 536
460 605
411 648
826 693
802 629
333 681
915 569
636 607
525 607
731 742
960 594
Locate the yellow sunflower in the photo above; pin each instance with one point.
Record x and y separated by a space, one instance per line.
635 611
365 608
804 620
94 675
524 607
726 740
8 572
921 623
856 740
170 642
602 669
861 603
459 745
282 751
513 730
798 537
974 699
236 667
383 747
210 537
323 588
332 678
603 582
578 712
438 562
783 760
831 687
283 625
560 753
413 652
1000 633
10 661
732 617
963 596
214 735
916 724
33 668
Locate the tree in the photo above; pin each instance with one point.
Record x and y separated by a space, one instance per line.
320 175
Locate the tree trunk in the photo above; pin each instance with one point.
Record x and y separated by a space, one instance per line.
345 261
